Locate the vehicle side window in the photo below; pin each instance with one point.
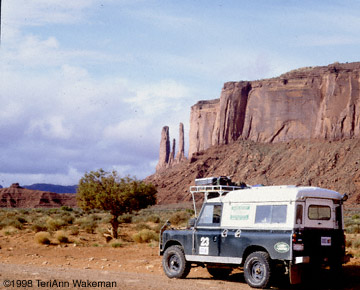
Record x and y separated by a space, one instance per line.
266 214
319 212
338 215
210 215
299 214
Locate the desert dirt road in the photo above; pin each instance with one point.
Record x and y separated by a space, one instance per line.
44 278
17 276
134 266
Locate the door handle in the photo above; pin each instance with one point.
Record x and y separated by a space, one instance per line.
224 233
215 239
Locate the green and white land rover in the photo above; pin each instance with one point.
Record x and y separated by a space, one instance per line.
259 229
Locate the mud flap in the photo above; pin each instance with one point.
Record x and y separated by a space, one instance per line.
295 274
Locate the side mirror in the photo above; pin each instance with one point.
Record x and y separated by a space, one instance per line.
345 197
192 222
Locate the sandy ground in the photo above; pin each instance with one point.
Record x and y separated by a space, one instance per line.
134 266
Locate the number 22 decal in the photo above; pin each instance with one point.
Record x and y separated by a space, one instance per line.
204 242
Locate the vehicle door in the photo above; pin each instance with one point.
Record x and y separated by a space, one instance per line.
207 231
322 235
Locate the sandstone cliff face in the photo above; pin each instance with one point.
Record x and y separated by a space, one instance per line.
320 102
203 118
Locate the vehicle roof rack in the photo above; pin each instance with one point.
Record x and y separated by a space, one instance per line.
212 191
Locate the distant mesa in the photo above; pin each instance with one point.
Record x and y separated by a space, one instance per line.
52 187
311 112
307 103
16 196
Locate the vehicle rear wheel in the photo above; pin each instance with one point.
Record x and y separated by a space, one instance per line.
219 273
174 263
257 270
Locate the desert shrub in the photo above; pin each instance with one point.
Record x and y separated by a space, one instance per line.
348 243
87 224
137 219
353 229
157 228
125 218
39 227
66 208
25 211
10 230
68 218
15 223
117 244
179 217
61 237
154 218
145 236
42 238
356 243
22 219
190 211
142 226
74 230
55 224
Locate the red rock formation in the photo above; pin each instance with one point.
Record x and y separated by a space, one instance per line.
164 153
16 196
203 119
320 102
181 152
167 158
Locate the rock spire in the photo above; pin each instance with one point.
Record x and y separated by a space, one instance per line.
167 158
164 149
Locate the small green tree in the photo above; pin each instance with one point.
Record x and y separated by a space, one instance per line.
110 192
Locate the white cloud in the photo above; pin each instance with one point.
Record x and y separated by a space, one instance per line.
39 12
159 98
53 127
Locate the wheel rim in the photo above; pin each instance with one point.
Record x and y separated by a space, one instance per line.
257 272
174 263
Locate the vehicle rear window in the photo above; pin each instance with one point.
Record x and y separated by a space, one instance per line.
319 212
270 214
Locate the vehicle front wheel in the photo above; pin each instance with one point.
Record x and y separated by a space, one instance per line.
174 263
257 270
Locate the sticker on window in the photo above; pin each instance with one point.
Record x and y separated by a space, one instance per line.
240 212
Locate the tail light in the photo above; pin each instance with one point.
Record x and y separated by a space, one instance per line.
297 241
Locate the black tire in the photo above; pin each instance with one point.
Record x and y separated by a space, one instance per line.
257 270
174 263
219 273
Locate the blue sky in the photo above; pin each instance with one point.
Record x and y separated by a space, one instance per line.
89 84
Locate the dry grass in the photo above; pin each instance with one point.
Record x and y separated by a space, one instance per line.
61 237
42 238
145 236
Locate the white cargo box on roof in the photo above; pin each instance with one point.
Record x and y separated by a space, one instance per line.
277 194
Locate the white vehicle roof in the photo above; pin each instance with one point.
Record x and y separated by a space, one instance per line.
277 194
